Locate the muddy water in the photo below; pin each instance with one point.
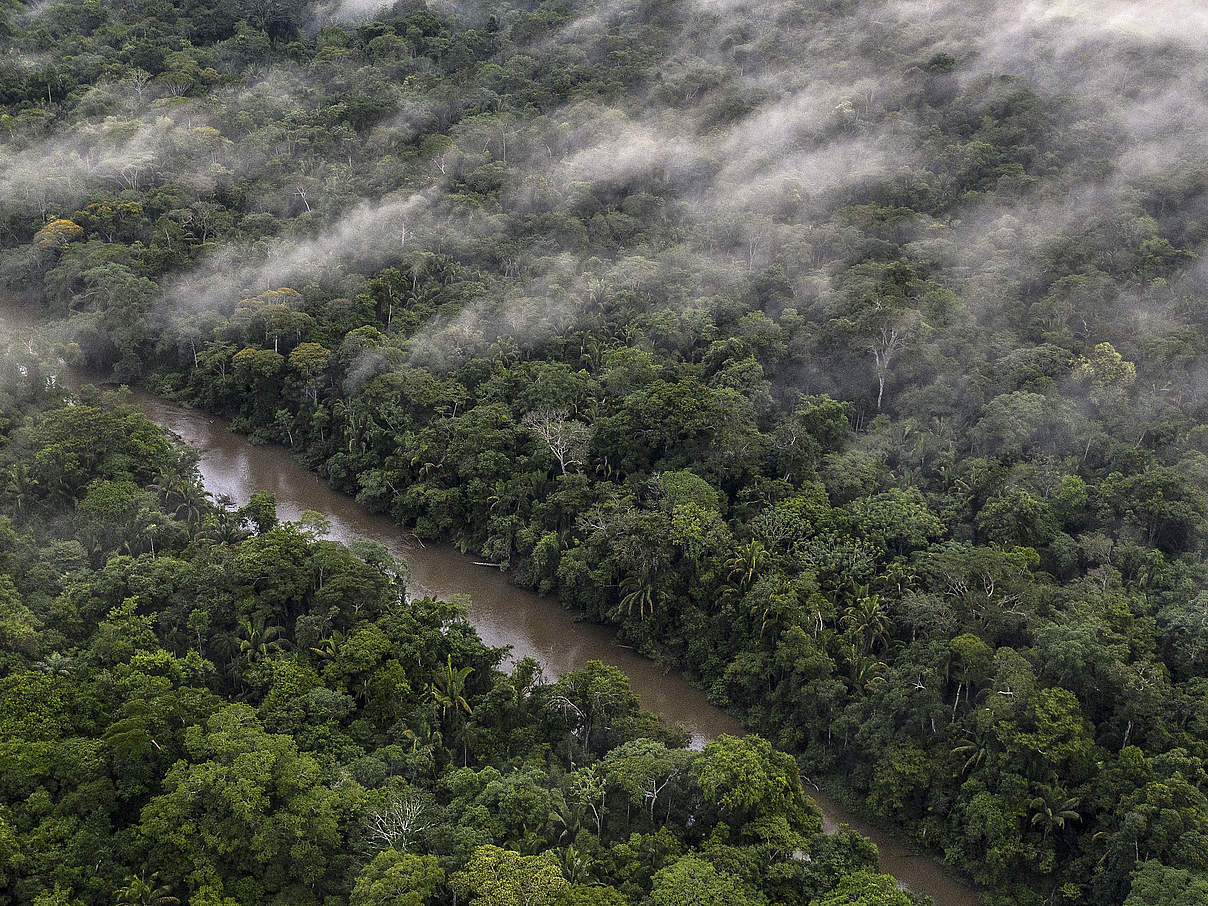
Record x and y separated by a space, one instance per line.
502 613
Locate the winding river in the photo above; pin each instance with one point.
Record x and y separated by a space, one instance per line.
502 613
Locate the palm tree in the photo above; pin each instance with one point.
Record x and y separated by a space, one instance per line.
639 594
868 621
259 641
1051 811
148 527
19 484
227 528
170 483
746 563
865 671
564 818
192 501
56 663
591 352
447 689
974 752
777 602
447 692
506 350
329 648
427 736
141 890
576 865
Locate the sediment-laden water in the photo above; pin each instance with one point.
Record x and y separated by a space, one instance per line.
502 613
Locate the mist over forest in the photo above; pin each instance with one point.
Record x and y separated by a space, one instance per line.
849 357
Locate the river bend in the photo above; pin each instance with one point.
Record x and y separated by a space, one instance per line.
502 613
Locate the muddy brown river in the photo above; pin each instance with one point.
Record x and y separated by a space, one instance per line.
503 614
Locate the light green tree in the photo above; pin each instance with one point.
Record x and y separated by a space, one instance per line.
397 878
500 877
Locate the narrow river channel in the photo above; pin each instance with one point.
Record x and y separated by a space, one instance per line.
502 613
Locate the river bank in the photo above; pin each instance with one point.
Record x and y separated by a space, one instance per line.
501 612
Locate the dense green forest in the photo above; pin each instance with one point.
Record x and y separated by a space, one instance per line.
201 705
847 355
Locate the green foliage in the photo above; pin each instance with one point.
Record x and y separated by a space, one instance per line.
867 889
904 463
236 717
499 877
748 780
396 878
694 882
1155 884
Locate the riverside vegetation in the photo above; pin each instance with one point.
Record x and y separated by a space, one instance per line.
875 406
202 705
